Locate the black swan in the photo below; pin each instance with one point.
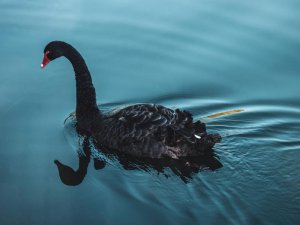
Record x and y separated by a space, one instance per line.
140 130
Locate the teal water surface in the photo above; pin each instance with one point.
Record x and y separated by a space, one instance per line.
204 56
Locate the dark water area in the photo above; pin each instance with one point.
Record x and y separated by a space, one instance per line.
202 56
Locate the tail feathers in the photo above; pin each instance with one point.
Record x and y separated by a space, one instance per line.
199 127
206 143
215 138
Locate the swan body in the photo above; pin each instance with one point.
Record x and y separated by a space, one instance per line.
141 130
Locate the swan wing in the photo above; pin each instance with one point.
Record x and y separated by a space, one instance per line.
164 124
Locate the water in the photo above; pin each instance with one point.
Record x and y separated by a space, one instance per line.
203 56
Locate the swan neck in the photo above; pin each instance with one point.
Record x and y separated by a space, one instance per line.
86 105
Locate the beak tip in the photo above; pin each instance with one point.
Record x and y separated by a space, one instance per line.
45 61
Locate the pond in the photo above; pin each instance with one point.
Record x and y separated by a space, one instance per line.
202 56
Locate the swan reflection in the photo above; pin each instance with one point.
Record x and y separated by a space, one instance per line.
184 167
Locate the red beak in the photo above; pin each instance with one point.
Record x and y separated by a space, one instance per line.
45 60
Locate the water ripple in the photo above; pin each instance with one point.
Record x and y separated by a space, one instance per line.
205 56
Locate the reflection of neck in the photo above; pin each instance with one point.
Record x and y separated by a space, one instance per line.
83 166
70 177
86 106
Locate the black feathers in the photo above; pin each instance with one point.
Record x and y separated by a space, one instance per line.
144 130
154 131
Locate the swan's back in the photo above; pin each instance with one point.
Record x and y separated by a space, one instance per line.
150 130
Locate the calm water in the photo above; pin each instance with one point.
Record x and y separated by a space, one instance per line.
203 56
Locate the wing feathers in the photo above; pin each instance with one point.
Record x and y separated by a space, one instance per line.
167 125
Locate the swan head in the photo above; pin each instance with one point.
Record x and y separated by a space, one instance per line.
53 50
